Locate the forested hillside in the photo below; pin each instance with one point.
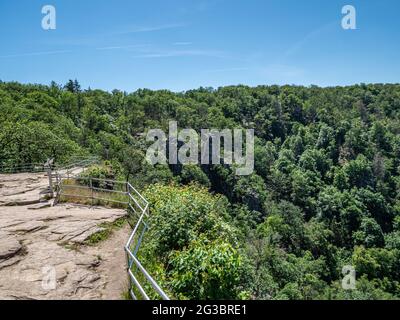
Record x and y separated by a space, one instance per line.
324 194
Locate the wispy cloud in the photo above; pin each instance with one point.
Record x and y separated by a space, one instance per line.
29 54
139 29
133 46
182 43
141 51
227 70
182 53
99 38
308 38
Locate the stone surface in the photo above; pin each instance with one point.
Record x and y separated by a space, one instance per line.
37 246
40 205
9 246
21 188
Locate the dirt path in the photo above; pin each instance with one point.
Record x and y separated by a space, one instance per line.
42 250
113 264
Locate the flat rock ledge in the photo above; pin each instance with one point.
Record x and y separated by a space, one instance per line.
43 251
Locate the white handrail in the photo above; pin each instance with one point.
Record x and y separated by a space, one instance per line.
148 277
131 255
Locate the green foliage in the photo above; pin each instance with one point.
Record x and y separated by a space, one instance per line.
205 270
380 266
191 173
182 214
365 290
194 242
370 234
284 225
358 172
33 142
101 172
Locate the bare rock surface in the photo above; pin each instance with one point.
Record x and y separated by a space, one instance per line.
43 253
21 188
9 246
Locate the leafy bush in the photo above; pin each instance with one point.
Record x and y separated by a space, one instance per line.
101 172
205 270
194 244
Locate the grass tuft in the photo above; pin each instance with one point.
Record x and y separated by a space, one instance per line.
107 229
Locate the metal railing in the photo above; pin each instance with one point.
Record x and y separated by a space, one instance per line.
97 191
138 208
73 163
22 167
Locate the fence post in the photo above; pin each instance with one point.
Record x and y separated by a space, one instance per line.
49 174
91 189
127 193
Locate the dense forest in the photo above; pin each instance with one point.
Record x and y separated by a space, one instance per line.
324 193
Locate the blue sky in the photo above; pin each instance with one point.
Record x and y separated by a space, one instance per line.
185 44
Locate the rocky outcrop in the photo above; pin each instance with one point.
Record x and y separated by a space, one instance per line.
43 253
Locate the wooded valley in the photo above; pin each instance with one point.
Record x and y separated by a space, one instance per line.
325 192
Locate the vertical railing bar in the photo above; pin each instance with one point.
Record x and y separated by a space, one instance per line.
140 288
91 190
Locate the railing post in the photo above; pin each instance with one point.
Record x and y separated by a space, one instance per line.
49 173
91 189
128 193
